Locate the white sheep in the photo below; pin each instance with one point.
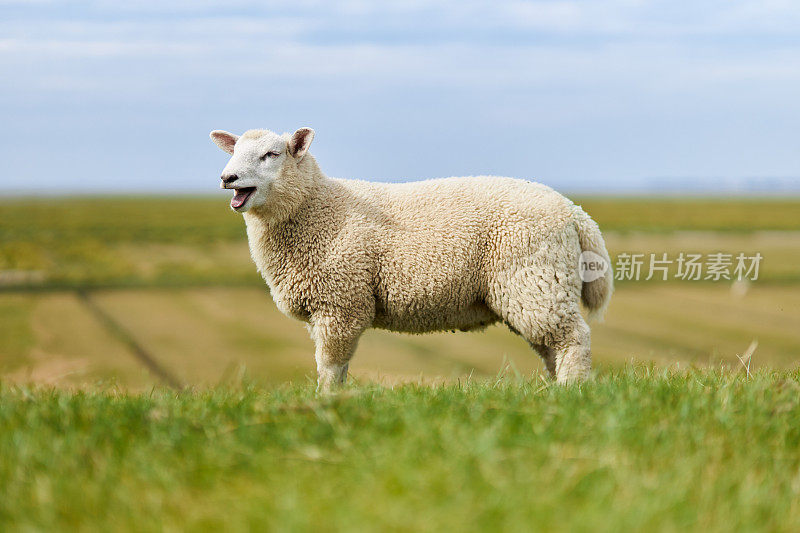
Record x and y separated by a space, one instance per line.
445 254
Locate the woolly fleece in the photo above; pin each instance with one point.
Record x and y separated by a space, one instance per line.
445 254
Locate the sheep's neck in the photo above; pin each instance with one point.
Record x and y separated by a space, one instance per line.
278 243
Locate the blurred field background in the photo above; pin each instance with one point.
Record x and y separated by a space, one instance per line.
139 291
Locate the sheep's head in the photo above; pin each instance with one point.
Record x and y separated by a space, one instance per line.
260 159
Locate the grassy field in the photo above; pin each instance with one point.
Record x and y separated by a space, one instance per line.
147 382
85 296
119 242
202 336
637 449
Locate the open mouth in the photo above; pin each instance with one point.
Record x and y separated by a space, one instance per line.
241 196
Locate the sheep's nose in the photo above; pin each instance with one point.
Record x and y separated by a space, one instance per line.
230 178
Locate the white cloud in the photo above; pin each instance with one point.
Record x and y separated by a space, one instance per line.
569 66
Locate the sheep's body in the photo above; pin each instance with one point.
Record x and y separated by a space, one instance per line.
454 253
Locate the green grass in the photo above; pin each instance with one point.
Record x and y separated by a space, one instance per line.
667 214
183 285
161 219
189 241
636 449
122 241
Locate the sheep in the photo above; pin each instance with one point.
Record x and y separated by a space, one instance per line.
444 254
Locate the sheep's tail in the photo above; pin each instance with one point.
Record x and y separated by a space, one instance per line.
595 294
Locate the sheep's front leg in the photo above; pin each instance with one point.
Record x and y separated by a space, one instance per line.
335 343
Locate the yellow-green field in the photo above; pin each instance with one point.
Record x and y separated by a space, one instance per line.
106 303
139 291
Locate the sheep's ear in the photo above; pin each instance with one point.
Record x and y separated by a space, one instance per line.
301 140
224 140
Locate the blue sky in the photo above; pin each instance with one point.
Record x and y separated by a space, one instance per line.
105 95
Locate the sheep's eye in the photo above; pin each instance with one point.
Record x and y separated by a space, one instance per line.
270 155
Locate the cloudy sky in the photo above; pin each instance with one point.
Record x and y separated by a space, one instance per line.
107 95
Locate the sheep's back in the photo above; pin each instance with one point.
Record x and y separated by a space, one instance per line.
441 242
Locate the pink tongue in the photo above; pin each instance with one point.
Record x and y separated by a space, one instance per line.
239 199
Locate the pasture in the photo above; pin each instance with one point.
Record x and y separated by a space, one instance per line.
89 284
148 382
638 449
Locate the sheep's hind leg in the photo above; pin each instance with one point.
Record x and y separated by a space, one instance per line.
573 360
566 355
